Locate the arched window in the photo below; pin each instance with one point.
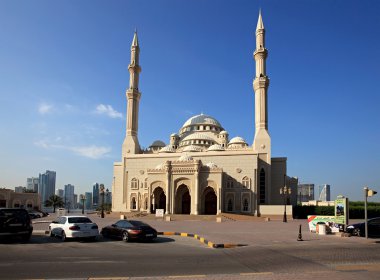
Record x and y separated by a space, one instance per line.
146 183
146 204
133 203
134 184
245 205
230 183
229 205
262 186
246 182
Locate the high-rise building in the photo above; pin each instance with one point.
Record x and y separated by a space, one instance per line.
95 194
305 192
46 185
75 201
60 193
108 198
69 196
32 184
19 189
89 199
324 192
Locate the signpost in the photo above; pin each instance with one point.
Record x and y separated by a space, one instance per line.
160 213
367 193
341 210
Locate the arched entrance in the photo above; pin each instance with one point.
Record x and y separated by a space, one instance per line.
183 200
210 201
158 200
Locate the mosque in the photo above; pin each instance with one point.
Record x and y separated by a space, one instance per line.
202 170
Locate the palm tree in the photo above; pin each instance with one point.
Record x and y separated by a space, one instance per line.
54 201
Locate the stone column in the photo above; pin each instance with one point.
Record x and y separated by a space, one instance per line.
196 188
168 186
218 201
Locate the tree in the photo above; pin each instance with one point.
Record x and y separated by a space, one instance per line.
54 201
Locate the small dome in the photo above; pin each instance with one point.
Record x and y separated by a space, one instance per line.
223 132
185 158
211 165
215 147
167 149
158 143
237 140
201 119
192 148
174 135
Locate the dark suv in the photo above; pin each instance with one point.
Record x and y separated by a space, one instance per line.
15 222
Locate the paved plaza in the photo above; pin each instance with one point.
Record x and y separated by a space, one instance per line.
241 230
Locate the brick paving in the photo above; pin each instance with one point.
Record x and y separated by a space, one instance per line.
251 232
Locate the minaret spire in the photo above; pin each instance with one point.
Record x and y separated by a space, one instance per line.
260 85
260 24
131 143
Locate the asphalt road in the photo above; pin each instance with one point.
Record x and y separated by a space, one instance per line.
174 256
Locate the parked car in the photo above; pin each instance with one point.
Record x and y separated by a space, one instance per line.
359 228
129 230
74 227
15 222
34 215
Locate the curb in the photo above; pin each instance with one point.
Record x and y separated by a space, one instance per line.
202 240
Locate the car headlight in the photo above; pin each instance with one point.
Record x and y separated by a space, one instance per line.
350 227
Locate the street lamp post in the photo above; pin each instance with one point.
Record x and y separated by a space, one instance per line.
82 198
102 194
285 192
101 190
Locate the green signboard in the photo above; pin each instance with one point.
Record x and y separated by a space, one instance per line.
341 210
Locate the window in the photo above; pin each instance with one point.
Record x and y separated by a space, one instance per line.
246 182
229 205
146 183
133 203
146 203
262 186
134 184
245 205
29 205
230 183
79 220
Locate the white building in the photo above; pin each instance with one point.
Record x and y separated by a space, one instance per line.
202 170
32 184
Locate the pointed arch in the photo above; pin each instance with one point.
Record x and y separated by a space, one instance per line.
262 186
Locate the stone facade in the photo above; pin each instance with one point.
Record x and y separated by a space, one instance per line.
201 170
11 199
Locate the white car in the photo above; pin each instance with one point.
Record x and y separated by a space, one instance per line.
74 227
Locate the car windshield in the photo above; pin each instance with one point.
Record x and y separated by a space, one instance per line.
76 220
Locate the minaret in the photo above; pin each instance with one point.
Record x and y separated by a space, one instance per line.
131 142
261 143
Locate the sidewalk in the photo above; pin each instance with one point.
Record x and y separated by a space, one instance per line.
248 232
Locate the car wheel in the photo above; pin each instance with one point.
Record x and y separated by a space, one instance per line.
356 232
63 236
125 236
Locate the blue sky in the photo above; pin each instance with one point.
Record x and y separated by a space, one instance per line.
64 72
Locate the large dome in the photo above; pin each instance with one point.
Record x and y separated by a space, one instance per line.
201 119
200 130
